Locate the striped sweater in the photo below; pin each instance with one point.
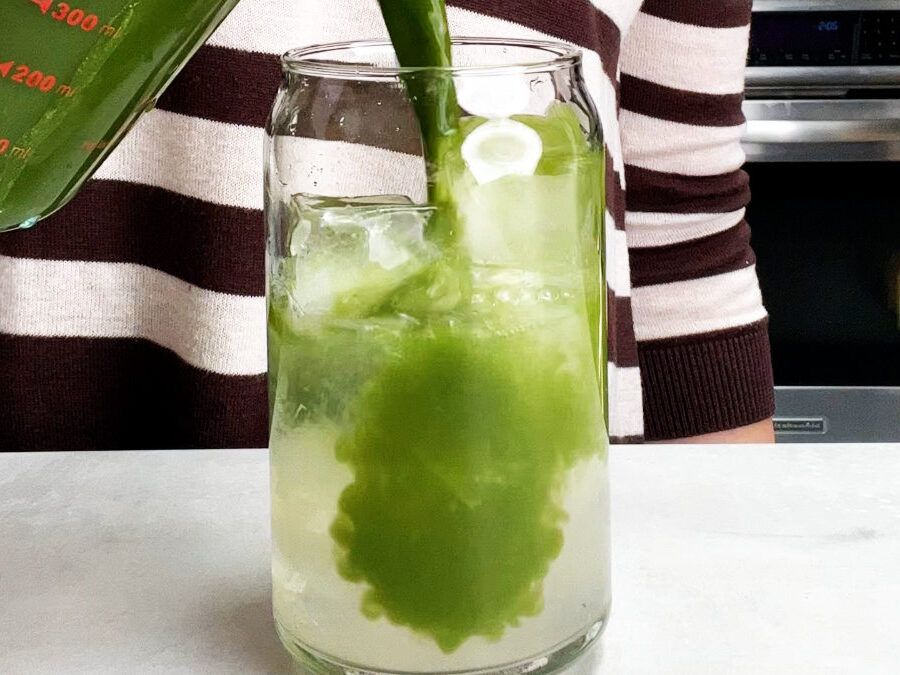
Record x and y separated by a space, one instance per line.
135 317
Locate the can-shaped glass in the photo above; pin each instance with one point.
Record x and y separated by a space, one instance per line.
437 362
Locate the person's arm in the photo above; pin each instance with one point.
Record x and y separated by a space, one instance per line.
699 319
758 432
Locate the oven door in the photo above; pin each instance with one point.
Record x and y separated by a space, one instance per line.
825 213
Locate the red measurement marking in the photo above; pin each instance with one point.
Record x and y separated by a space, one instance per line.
91 146
21 73
75 17
14 151
47 84
62 11
35 79
43 4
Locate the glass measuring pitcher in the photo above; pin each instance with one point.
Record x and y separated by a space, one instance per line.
74 77
438 445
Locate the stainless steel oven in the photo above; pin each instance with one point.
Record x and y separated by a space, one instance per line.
823 150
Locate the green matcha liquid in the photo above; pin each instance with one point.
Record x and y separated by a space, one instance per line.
421 38
74 77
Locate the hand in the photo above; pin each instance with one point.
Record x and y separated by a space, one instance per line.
760 432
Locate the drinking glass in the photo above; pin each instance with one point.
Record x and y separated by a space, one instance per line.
438 436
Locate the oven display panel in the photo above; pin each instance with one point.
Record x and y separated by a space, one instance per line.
838 38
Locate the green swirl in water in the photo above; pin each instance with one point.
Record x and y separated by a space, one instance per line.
459 451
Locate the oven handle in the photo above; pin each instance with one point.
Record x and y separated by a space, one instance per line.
823 131
812 77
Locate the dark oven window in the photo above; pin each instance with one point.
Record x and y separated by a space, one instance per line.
827 239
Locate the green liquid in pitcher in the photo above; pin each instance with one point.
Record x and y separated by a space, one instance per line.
436 395
74 76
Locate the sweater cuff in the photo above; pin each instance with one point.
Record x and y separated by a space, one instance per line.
701 384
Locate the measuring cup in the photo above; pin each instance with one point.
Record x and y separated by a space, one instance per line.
74 77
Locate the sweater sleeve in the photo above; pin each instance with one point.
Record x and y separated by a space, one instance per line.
699 319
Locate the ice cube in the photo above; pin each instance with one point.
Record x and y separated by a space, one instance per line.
502 147
383 228
351 253
524 221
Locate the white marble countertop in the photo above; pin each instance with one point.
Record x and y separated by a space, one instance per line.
779 559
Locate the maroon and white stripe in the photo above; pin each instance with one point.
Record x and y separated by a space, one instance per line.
135 317
698 314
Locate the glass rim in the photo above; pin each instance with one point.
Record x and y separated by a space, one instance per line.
560 56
